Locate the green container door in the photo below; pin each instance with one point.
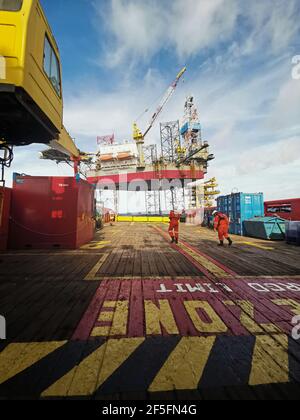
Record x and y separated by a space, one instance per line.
269 228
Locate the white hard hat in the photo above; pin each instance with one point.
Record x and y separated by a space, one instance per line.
214 212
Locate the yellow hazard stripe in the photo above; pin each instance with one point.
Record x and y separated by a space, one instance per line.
15 358
94 370
270 362
184 367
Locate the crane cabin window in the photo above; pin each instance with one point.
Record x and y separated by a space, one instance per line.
11 5
51 66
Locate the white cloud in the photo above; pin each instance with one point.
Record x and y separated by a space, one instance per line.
274 24
138 30
271 169
26 161
199 24
256 160
94 112
285 111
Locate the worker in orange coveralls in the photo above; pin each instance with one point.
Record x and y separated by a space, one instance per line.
174 226
221 225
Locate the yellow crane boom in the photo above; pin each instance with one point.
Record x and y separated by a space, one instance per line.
138 135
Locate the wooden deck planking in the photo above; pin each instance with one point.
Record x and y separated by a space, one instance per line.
283 260
44 298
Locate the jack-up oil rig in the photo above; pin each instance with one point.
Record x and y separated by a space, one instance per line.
176 167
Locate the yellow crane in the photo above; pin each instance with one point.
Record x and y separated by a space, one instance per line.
31 96
138 135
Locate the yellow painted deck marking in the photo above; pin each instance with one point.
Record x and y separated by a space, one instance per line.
158 317
259 277
94 370
120 321
185 365
92 276
16 357
95 245
118 317
216 325
265 248
209 265
247 318
294 306
271 328
270 362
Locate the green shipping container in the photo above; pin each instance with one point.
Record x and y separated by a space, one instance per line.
269 228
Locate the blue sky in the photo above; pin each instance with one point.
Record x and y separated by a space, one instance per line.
118 56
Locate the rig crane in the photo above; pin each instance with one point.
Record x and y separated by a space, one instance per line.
138 136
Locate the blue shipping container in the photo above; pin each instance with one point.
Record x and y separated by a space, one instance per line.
240 207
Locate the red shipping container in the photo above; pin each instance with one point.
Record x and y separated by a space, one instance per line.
286 209
5 197
51 212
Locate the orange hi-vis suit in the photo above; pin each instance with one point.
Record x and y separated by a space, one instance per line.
221 224
174 225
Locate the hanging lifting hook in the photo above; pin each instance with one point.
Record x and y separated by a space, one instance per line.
6 158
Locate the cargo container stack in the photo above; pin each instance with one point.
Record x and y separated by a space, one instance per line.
240 207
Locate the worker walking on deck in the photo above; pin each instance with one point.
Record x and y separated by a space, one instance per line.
221 225
174 226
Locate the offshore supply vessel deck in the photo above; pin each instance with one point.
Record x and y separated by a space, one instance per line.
131 316
121 313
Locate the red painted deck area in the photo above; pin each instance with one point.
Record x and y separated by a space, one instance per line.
132 316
